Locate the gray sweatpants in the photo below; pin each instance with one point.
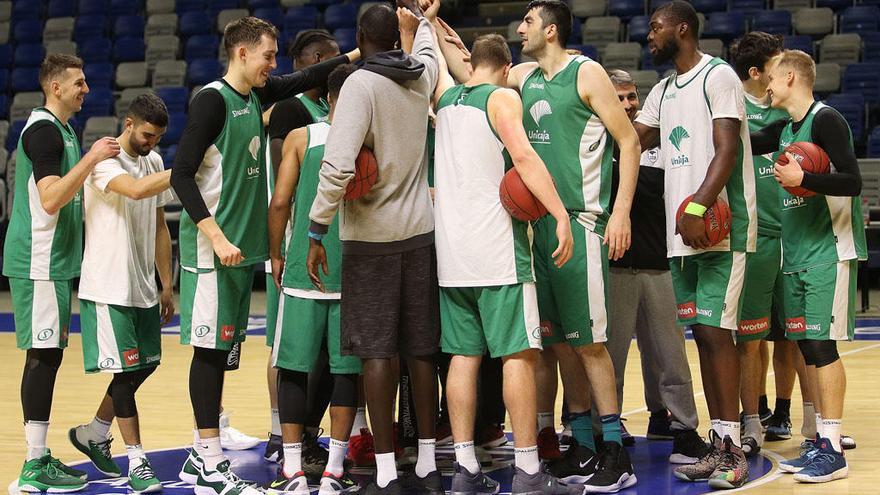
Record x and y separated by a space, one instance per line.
642 303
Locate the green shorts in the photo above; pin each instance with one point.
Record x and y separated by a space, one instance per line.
763 283
119 338
41 309
820 302
708 287
503 319
214 306
302 327
271 309
572 300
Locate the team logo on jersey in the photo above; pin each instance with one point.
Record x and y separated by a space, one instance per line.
107 363
796 325
131 357
243 111
540 110
687 310
254 148
546 329
792 202
202 330
677 135
227 332
751 327
45 334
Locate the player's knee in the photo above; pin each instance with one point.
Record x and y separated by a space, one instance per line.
47 359
819 353
123 388
529 356
345 391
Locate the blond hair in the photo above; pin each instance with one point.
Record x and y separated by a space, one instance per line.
798 61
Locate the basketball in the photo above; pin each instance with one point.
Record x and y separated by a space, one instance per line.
366 173
717 219
518 200
811 158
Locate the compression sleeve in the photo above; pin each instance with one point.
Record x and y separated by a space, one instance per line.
831 133
278 88
44 145
766 140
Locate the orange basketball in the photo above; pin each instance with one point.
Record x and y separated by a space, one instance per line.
811 158
366 173
518 200
717 219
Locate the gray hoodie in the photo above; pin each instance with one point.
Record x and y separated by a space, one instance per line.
383 106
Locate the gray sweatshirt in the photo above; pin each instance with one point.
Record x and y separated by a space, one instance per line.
383 106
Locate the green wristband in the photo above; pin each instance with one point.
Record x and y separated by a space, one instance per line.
695 209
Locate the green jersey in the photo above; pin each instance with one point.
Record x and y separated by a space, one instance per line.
40 246
572 141
232 182
760 115
296 274
818 229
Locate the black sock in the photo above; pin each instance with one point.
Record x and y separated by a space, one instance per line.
762 403
783 406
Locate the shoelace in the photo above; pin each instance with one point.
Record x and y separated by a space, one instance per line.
52 470
104 447
144 471
823 457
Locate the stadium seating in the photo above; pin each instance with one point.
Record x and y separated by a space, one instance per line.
99 74
859 19
852 107
842 49
772 21
626 9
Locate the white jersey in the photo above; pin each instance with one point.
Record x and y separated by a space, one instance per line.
119 262
683 108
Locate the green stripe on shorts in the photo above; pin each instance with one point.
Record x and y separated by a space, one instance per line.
120 338
214 306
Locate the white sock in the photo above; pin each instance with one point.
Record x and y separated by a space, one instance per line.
466 457
545 419
716 427
276 423
292 458
337 457
196 438
360 421
99 429
820 428
210 451
527 459
808 427
35 434
753 427
386 469
831 430
427 461
731 429
134 452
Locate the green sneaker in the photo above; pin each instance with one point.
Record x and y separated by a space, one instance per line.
42 475
189 473
142 478
76 473
97 452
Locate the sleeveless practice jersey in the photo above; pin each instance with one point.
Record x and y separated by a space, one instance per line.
683 108
572 141
40 246
819 229
233 185
478 243
296 274
760 115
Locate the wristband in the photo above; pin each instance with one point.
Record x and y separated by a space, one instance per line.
695 209
317 237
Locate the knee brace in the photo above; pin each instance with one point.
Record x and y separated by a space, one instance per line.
819 353
292 387
123 388
38 382
345 393
206 375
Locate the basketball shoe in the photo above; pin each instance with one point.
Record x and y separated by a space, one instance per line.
222 481
189 472
614 471
232 439
779 427
809 450
466 483
659 426
142 478
577 465
431 484
490 436
295 485
44 474
687 447
332 484
705 465
733 468
393 488
97 450
541 483
274 449
625 436
314 456
548 444
826 465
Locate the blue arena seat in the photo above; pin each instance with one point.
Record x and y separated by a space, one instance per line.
27 31
95 50
128 26
862 79
5 55
271 14
725 26
215 6
576 35
346 38
175 98
99 74
201 46
61 8
653 4
90 7
299 18
194 23
202 70
25 79
25 9
4 107
126 7
748 7
870 47
4 80
129 50
98 103
835 5
176 124
709 6
874 143
87 27
29 55
587 50
340 16
637 29
14 133
262 4
852 107
626 9
285 66
168 153
859 19
800 42
772 21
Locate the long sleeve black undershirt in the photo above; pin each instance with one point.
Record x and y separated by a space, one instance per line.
203 126
830 132
43 144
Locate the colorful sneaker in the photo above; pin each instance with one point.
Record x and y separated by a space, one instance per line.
232 439
548 444
314 456
332 484
490 437
705 465
687 447
189 472
76 473
577 465
808 451
625 436
466 483
778 428
614 471
282 485
222 481
541 483
733 468
274 449
827 465
97 452
142 478
659 426
41 475
847 442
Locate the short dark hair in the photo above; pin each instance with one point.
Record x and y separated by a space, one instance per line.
754 49
247 31
379 26
307 38
337 78
490 50
680 11
621 77
55 64
554 12
149 108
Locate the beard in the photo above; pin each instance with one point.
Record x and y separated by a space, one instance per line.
666 53
532 48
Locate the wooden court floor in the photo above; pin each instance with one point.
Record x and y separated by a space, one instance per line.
166 417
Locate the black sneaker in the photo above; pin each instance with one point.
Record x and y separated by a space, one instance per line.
393 488
274 449
431 484
540 483
778 428
465 483
314 457
765 413
687 447
577 465
615 471
627 439
659 426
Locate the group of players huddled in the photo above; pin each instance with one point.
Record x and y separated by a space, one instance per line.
388 280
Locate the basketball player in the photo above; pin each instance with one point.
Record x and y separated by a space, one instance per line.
218 175
43 253
309 317
487 292
122 312
697 116
822 240
388 268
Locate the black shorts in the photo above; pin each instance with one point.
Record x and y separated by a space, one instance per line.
390 305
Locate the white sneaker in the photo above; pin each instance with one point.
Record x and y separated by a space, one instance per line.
189 473
232 439
222 481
